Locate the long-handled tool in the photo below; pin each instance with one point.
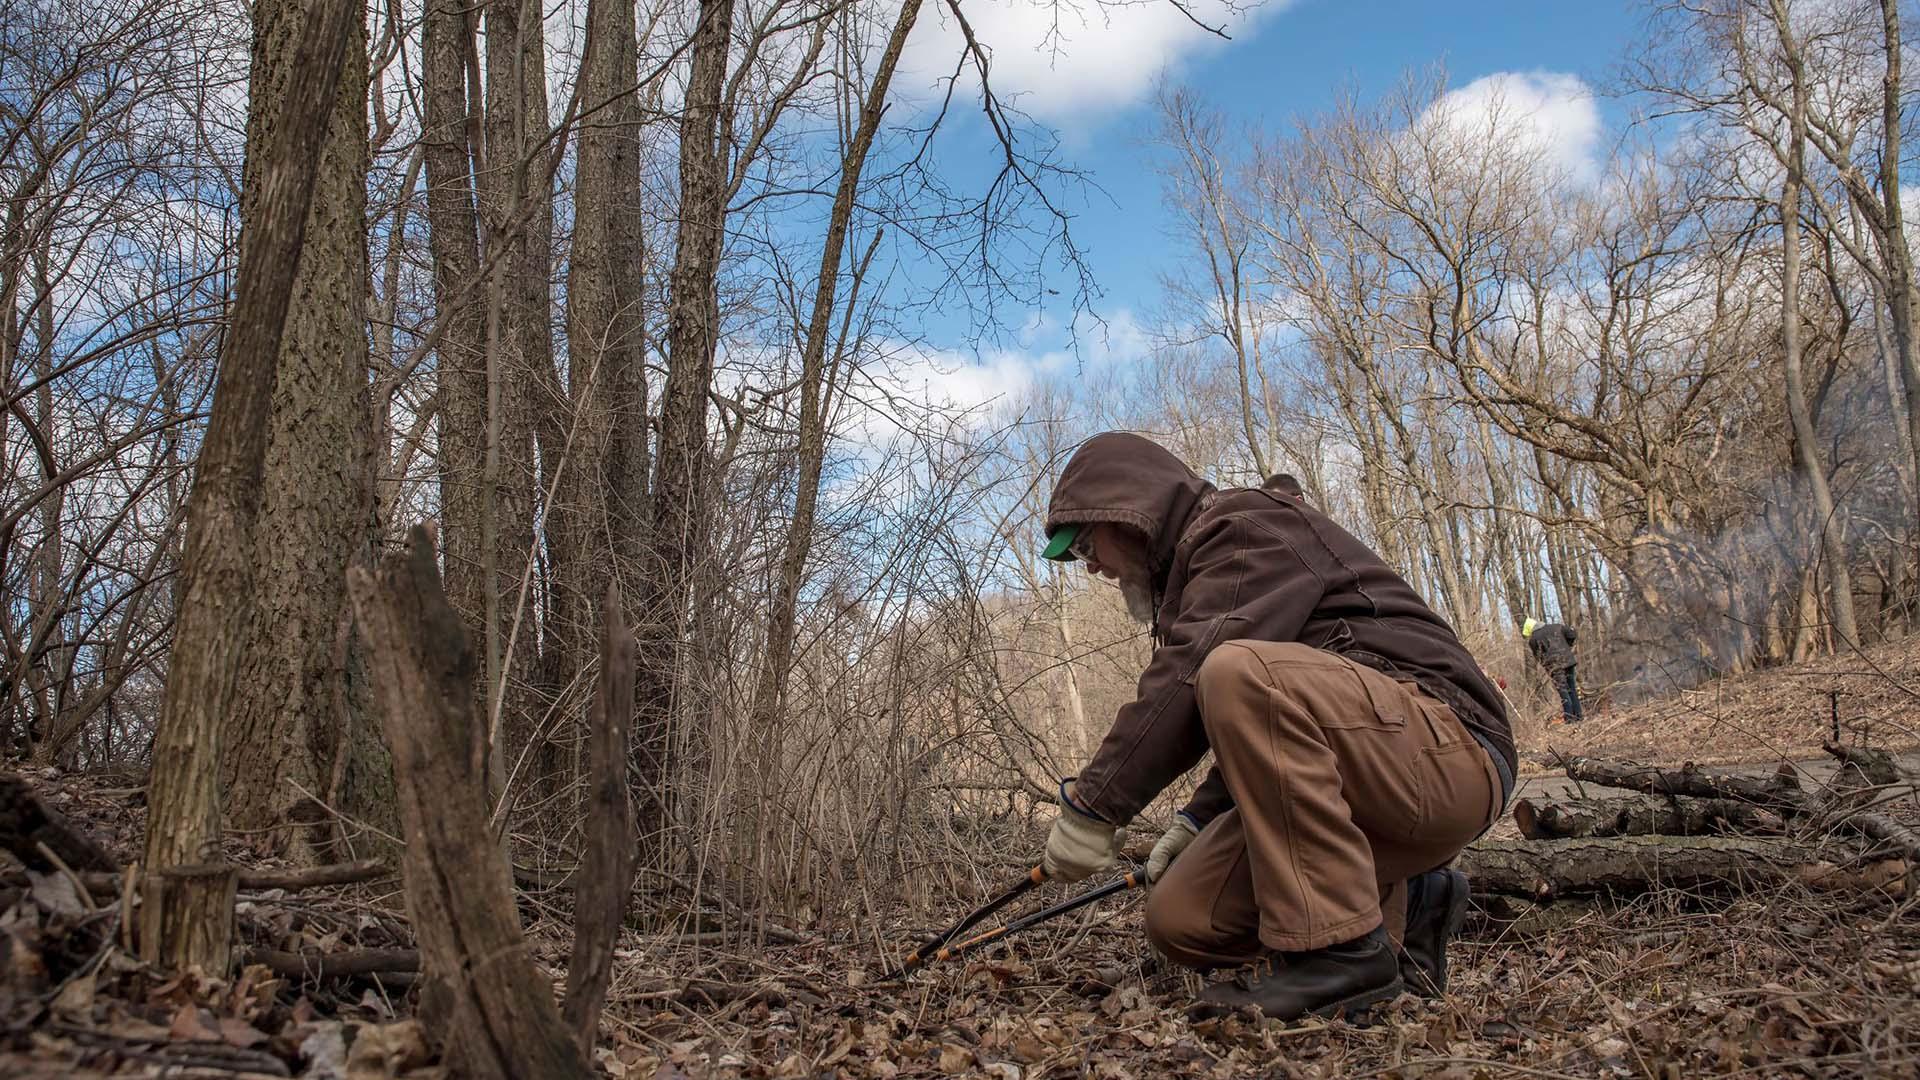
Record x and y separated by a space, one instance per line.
1035 878
943 947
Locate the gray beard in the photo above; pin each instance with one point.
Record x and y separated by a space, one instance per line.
1139 600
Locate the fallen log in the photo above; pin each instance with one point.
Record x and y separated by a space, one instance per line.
28 824
319 965
1640 815
1543 870
1779 791
106 886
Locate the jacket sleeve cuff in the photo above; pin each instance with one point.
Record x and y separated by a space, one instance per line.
1067 800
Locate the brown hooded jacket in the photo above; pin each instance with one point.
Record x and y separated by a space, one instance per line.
1246 563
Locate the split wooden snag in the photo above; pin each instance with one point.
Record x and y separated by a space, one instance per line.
186 917
497 1016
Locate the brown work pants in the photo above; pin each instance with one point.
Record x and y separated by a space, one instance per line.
1345 783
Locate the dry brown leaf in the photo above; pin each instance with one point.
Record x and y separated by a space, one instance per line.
841 1048
955 1059
239 1033
324 1049
792 1067
1029 1049
75 1000
384 1051
188 1026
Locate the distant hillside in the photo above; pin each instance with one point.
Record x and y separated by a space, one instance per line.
1782 712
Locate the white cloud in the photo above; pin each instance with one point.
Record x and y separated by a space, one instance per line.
1061 60
1552 114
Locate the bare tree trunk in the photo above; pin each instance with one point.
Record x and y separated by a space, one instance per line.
682 472
285 731
516 215
183 795
1893 231
488 1000
1806 444
816 386
453 231
601 493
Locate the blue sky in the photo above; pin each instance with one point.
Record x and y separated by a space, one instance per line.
1286 59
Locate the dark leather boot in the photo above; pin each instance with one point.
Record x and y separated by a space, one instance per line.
1345 978
1436 906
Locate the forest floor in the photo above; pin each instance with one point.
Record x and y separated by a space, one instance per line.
1665 984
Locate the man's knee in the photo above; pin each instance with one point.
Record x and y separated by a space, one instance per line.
1179 926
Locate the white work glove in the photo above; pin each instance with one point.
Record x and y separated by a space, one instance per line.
1169 846
1079 846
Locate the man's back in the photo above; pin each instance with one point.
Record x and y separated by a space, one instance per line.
1552 645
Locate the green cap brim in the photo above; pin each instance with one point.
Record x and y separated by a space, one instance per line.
1060 543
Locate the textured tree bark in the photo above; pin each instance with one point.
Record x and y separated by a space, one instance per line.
186 917
1551 819
606 879
216 592
516 215
682 470
500 1020
1892 232
287 727
1779 791
599 518
1542 870
453 237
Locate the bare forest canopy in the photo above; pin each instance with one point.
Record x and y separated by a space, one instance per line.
634 294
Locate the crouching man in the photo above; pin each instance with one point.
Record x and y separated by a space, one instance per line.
1357 747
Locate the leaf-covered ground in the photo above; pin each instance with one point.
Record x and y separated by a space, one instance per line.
1779 714
1665 985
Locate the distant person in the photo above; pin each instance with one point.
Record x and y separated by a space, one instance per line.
1552 645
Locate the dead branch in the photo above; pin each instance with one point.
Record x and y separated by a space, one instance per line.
1875 766
500 1018
335 965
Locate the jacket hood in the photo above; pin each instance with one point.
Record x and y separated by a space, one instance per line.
1122 477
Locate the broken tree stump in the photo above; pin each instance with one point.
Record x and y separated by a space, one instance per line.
1641 815
500 1019
186 917
606 866
1543 869
28 824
